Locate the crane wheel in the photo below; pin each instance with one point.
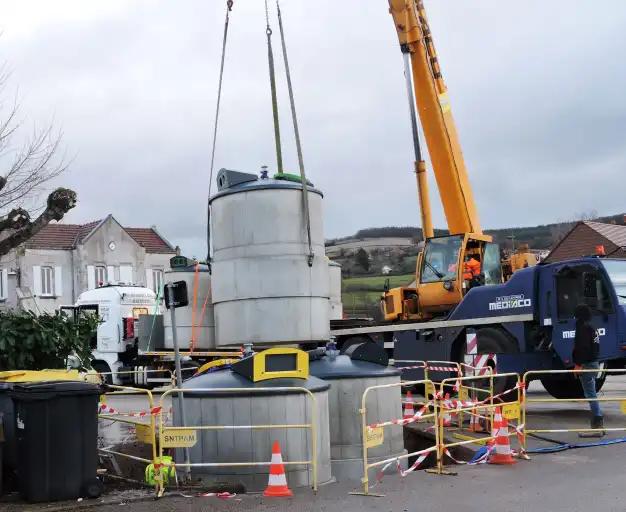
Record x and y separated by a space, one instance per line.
563 386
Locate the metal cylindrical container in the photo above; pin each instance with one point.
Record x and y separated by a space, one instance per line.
215 407
264 290
335 304
203 322
348 381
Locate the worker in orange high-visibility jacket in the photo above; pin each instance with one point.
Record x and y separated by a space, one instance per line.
471 267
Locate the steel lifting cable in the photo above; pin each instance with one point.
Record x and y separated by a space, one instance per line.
270 59
305 190
229 8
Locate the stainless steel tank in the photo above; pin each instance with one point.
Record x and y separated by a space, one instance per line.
215 407
348 379
204 324
335 304
264 291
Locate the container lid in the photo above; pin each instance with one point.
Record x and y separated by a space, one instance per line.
342 367
218 381
32 391
240 184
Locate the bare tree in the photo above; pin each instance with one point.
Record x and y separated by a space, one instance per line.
27 170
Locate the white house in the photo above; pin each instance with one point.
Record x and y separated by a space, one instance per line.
61 261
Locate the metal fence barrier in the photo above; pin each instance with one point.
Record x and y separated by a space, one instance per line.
371 432
143 421
473 406
528 376
168 430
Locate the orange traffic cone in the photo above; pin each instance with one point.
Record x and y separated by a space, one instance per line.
409 409
475 422
277 485
501 453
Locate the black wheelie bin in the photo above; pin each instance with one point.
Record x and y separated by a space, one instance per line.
56 426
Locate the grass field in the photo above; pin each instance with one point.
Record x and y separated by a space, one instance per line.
361 295
376 283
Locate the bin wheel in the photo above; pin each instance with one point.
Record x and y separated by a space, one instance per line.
93 489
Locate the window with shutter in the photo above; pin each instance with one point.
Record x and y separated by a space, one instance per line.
47 281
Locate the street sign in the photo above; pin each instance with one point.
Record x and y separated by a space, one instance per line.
175 294
179 438
375 437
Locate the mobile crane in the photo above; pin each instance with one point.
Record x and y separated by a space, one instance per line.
526 323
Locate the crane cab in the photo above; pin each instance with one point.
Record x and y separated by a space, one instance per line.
446 269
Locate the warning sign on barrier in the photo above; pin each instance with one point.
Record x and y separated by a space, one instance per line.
623 406
374 437
429 389
144 433
463 393
511 411
179 438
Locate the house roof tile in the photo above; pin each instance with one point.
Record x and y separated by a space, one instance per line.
615 233
67 236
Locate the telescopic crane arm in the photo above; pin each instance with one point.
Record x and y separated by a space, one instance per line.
438 125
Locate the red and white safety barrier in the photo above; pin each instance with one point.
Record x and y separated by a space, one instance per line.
106 409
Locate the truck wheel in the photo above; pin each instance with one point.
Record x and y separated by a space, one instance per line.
567 386
492 340
102 367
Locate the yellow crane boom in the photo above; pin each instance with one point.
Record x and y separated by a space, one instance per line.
435 115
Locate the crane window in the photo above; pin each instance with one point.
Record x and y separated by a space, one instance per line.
441 257
581 285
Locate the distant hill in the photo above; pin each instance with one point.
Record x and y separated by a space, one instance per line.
393 250
537 237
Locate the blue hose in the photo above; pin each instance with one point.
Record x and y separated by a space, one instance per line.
568 446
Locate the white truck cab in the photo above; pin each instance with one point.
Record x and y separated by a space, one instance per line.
119 307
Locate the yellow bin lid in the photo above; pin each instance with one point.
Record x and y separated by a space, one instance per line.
41 375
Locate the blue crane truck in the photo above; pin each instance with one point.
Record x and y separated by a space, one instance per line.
528 322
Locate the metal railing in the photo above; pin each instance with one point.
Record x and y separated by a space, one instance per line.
144 430
312 461
528 376
489 404
369 431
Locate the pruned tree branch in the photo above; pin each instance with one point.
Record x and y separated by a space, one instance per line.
59 203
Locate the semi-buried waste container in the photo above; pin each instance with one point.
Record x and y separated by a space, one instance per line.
56 426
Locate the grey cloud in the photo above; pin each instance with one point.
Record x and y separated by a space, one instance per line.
536 88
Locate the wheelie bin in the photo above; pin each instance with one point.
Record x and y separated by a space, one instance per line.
56 427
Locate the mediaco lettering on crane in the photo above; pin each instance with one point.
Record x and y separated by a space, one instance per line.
510 302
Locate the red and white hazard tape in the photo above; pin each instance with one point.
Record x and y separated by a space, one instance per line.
422 455
443 369
448 404
105 409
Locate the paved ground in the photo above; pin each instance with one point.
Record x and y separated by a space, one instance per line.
573 480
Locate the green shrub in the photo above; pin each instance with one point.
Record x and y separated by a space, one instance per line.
36 342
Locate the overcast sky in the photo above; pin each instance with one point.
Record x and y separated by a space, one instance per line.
538 90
